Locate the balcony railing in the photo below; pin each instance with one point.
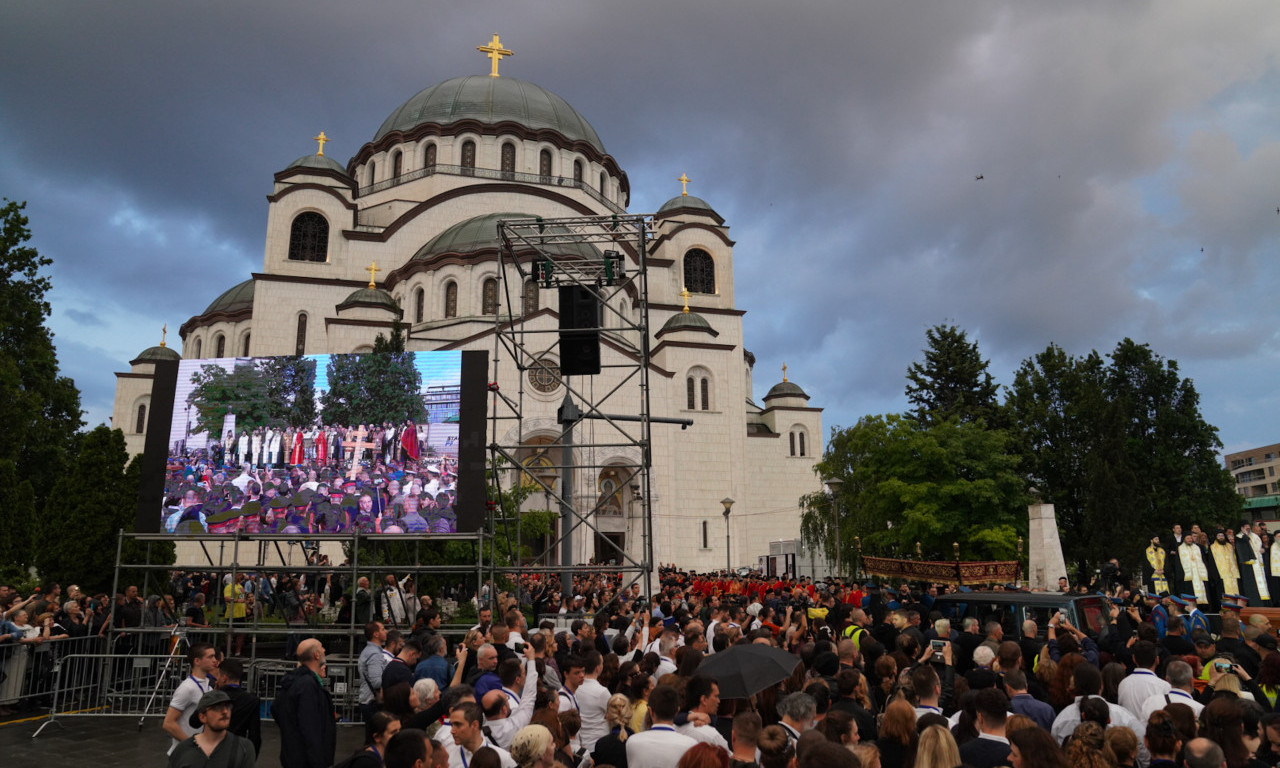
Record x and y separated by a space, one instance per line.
489 173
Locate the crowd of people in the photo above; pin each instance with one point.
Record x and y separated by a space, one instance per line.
1233 565
880 677
387 493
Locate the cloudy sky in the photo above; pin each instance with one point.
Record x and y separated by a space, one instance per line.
1129 155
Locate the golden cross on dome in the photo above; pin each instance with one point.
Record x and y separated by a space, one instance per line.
495 52
372 269
322 139
164 331
784 372
685 295
684 185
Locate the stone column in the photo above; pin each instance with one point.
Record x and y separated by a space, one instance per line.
1044 550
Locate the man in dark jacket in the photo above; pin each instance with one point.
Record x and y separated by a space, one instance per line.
246 708
304 711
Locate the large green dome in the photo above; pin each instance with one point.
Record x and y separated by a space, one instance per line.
491 100
481 233
234 299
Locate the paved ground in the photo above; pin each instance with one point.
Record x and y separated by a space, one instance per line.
116 742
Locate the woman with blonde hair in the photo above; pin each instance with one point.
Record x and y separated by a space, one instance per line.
937 749
533 746
1122 743
611 749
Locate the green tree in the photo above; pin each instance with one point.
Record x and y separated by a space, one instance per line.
904 482
393 344
373 388
76 536
952 381
291 389
242 391
17 523
39 408
1119 448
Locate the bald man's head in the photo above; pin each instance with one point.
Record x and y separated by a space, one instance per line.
311 654
493 703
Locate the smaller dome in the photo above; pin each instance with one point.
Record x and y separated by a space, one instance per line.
786 389
318 162
154 354
687 203
687 321
234 299
371 297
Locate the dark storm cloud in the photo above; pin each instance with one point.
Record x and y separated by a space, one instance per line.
840 141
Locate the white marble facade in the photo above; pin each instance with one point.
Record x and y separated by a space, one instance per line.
759 452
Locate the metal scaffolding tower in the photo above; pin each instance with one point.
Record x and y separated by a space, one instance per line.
604 419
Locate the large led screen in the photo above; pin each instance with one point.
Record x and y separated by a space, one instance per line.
309 444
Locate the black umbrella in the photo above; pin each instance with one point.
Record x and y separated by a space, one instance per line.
745 670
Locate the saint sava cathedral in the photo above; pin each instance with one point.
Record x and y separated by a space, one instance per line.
407 228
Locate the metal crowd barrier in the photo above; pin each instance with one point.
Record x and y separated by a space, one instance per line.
140 685
27 671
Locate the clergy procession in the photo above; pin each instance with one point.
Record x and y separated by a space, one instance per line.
1233 569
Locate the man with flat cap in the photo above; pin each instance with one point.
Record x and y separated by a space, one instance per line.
215 746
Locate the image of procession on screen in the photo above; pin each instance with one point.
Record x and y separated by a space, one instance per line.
314 444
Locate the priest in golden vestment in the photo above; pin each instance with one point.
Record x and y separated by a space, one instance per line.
1195 574
1224 557
1153 572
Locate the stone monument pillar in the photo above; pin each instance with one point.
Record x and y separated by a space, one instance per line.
1044 550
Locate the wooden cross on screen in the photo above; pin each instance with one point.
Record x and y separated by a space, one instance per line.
357 450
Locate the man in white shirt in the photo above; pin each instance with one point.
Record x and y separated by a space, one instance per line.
1179 675
1140 686
373 660
1086 680
502 715
703 694
593 700
666 652
573 673
466 724
204 660
660 746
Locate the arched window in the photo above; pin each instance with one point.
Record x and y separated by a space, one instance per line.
792 435
309 237
373 173
220 346
395 165
801 443
244 348
544 165
798 447
698 389
451 300
531 297
199 345
431 156
468 158
489 297
508 160
602 179
699 271
419 300
577 171
300 345
142 419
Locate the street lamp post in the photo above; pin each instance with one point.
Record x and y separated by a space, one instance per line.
728 559
834 483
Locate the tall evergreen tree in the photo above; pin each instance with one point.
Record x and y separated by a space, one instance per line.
952 381
92 502
1119 448
39 408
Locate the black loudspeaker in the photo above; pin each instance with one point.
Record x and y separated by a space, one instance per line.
579 331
